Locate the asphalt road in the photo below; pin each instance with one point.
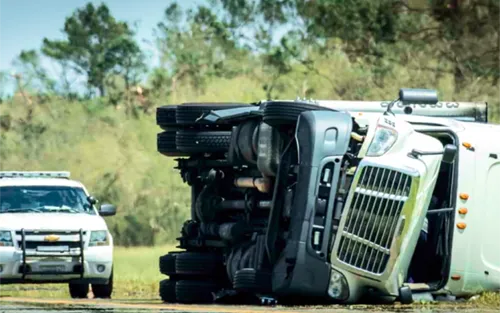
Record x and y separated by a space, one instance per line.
28 305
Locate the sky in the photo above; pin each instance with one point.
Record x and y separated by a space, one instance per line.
24 24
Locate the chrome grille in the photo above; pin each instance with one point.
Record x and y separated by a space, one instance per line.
34 240
372 218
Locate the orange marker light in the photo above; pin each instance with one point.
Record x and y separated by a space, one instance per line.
455 277
463 210
468 145
461 225
464 196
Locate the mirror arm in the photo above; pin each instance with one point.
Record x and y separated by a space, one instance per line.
444 210
389 107
416 153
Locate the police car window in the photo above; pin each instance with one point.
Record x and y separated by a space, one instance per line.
44 199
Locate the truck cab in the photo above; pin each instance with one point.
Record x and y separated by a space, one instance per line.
333 200
52 231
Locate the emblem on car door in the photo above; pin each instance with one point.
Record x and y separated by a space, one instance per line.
51 238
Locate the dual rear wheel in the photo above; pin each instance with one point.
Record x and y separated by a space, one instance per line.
194 277
184 135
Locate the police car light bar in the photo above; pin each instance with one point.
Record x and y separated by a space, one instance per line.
46 174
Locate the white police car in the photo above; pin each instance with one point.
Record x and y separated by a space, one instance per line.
51 231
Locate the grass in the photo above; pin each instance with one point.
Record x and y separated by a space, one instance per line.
136 276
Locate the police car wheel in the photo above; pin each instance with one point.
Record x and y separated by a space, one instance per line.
78 291
103 290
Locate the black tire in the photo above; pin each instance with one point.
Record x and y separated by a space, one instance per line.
199 264
188 113
78 291
278 113
191 141
192 291
167 291
252 280
167 264
103 291
405 295
165 143
165 116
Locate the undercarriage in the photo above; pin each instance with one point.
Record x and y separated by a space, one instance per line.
268 188
299 202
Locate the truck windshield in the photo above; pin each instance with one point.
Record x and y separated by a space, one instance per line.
44 199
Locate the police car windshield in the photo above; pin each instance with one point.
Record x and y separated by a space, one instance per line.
44 199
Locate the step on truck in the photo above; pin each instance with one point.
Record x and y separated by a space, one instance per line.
52 231
303 201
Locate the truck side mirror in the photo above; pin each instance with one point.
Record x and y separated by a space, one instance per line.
418 96
449 153
107 210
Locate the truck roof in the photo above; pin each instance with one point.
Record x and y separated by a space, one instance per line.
460 111
457 126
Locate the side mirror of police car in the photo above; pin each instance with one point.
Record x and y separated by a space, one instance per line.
107 210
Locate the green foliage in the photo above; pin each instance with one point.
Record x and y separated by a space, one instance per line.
196 46
230 50
96 45
114 156
34 77
469 34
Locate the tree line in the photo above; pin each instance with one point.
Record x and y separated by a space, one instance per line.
224 50
228 38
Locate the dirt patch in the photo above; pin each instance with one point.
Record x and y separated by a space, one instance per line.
18 305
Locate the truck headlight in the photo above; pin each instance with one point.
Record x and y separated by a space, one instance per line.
338 288
382 141
6 238
99 238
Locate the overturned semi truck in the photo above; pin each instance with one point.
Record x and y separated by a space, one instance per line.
334 201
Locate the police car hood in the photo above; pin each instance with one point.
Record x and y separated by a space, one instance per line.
51 221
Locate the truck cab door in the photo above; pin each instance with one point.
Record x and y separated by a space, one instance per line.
386 205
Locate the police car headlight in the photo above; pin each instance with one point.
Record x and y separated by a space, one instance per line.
338 288
99 238
6 238
382 141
